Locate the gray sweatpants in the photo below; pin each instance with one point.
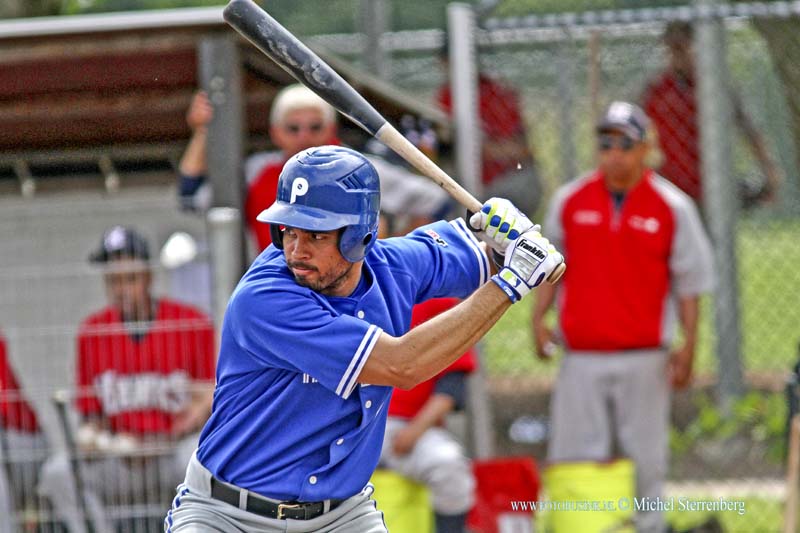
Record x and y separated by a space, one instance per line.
438 461
601 400
195 511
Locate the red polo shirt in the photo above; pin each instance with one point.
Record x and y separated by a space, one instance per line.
625 261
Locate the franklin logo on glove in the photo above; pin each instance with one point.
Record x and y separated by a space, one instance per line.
539 254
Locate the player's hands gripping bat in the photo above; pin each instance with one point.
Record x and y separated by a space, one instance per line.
499 223
529 261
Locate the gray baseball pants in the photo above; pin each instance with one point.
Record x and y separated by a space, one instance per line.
195 511
438 461
601 400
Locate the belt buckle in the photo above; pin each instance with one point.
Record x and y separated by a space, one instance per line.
285 506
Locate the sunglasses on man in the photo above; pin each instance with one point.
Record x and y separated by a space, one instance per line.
607 142
294 129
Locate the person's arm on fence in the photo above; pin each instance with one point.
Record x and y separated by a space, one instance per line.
758 147
193 164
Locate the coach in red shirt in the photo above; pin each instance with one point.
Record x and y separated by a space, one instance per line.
639 259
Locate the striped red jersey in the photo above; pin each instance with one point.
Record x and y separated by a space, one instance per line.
140 380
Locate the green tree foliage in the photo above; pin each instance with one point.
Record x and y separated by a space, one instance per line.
29 8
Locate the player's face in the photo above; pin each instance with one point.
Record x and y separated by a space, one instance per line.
301 129
316 263
621 159
128 288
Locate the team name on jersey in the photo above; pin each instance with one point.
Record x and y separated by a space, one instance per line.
136 392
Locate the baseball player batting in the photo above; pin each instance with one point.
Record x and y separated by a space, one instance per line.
315 336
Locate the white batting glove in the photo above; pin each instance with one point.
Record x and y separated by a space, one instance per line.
529 260
499 223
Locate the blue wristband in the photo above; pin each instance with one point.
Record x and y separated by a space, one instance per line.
512 294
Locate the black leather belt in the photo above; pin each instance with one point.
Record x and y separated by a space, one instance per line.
278 510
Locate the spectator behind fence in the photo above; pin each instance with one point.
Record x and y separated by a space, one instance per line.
638 256
299 119
509 169
417 445
21 442
145 372
670 101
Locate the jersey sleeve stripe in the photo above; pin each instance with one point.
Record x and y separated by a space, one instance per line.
483 261
365 346
353 381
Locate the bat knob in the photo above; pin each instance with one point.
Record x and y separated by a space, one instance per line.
556 274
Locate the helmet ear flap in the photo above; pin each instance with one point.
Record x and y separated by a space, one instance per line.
277 235
356 241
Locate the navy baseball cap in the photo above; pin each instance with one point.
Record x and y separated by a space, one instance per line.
120 241
626 118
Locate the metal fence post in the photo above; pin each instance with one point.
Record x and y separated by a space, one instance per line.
464 88
225 246
375 17
566 89
220 75
719 194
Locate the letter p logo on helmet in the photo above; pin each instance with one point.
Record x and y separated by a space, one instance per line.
299 188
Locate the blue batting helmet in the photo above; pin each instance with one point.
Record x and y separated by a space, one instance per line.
327 188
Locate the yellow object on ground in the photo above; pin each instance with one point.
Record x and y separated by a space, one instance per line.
405 504
589 497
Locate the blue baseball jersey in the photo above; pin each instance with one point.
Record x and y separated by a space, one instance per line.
290 420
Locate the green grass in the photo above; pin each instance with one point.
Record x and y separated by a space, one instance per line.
760 515
769 303
750 514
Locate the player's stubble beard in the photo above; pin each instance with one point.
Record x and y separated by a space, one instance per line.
326 284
